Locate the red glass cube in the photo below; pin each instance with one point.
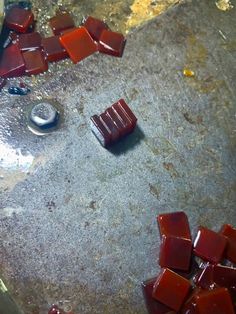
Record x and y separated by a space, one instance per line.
112 43
153 306
19 19
175 238
116 122
217 301
11 62
95 27
209 245
79 44
61 22
230 233
171 289
29 41
53 49
35 62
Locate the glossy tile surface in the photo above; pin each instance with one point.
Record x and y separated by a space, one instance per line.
95 27
171 289
61 22
209 245
29 41
215 301
79 44
12 63
153 306
35 62
53 49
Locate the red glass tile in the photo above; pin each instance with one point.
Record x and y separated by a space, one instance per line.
35 62
175 253
11 62
171 289
19 19
112 43
217 301
2 82
95 27
29 41
79 44
61 22
53 49
174 224
209 245
230 233
175 238
114 123
153 306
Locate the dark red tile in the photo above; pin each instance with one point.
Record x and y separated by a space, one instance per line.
79 44
175 238
217 301
35 62
95 27
230 233
174 224
29 41
53 49
152 305
171 289
61 22
112 43
209 245
12 63
19 19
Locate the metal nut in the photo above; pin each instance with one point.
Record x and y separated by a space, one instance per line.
44 115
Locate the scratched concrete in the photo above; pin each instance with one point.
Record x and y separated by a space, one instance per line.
78 222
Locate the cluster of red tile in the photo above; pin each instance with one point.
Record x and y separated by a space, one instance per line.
184 287
29 53
113 124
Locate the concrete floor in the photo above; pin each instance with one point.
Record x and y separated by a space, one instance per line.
78 222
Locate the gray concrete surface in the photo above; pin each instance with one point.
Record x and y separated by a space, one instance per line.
78 222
